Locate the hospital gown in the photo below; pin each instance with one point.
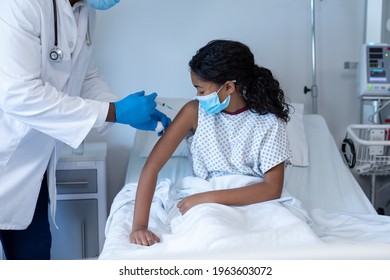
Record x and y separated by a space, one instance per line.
240 143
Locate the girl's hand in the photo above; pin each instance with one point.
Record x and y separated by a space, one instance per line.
143 237
190 201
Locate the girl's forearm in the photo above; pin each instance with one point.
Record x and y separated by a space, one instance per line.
144 196
245 195
270 188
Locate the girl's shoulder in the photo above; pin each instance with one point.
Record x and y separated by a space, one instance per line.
269 120
192 105
269 117
189 114
190 109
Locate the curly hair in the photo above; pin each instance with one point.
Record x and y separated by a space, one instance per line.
224 60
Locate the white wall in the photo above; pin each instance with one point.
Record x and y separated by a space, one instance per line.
146 45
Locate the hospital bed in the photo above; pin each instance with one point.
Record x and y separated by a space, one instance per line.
331 217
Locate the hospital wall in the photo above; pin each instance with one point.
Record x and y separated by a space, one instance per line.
146 45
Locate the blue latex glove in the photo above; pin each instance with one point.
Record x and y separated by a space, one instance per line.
156 117
135 108
165 121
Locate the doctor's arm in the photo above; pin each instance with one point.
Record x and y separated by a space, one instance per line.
137 110
184 122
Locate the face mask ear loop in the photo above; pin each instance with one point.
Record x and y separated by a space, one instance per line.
233 81
219 89
218 95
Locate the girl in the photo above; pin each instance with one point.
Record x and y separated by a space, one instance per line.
234 125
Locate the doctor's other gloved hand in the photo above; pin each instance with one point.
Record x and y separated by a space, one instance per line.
159 122
135 109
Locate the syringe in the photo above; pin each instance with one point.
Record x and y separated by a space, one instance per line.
163 104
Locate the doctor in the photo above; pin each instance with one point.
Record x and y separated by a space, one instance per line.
50 93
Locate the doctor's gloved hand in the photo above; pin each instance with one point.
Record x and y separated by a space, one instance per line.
163 120
135 109
153 124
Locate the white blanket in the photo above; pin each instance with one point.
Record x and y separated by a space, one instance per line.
335 227
210 229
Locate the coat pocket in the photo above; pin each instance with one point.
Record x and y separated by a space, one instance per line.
11 132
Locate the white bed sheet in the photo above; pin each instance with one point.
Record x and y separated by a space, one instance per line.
327 183
338 211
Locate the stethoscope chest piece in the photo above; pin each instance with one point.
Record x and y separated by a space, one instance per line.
56 54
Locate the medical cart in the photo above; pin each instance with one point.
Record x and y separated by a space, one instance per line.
369 151
369 142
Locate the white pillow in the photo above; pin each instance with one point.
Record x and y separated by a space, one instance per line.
297 137
175 104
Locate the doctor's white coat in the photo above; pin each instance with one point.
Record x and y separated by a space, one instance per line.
40 104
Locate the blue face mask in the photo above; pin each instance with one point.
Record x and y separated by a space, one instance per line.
211 104
101 4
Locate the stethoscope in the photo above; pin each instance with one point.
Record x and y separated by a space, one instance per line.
56 53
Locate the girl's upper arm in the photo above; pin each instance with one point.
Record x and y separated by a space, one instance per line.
184 122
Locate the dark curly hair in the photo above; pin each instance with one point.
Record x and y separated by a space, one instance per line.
224 60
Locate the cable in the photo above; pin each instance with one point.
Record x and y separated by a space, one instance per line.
371 117
350 160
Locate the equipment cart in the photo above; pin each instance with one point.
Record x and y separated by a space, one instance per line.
369 151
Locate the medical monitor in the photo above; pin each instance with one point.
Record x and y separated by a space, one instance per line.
374 78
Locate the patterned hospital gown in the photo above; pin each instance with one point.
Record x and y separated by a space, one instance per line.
240 143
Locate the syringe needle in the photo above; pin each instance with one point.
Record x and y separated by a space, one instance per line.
165 105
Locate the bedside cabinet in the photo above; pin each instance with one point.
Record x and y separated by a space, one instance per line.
81 203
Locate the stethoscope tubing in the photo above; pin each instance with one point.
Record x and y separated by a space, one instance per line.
55 23
55 53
